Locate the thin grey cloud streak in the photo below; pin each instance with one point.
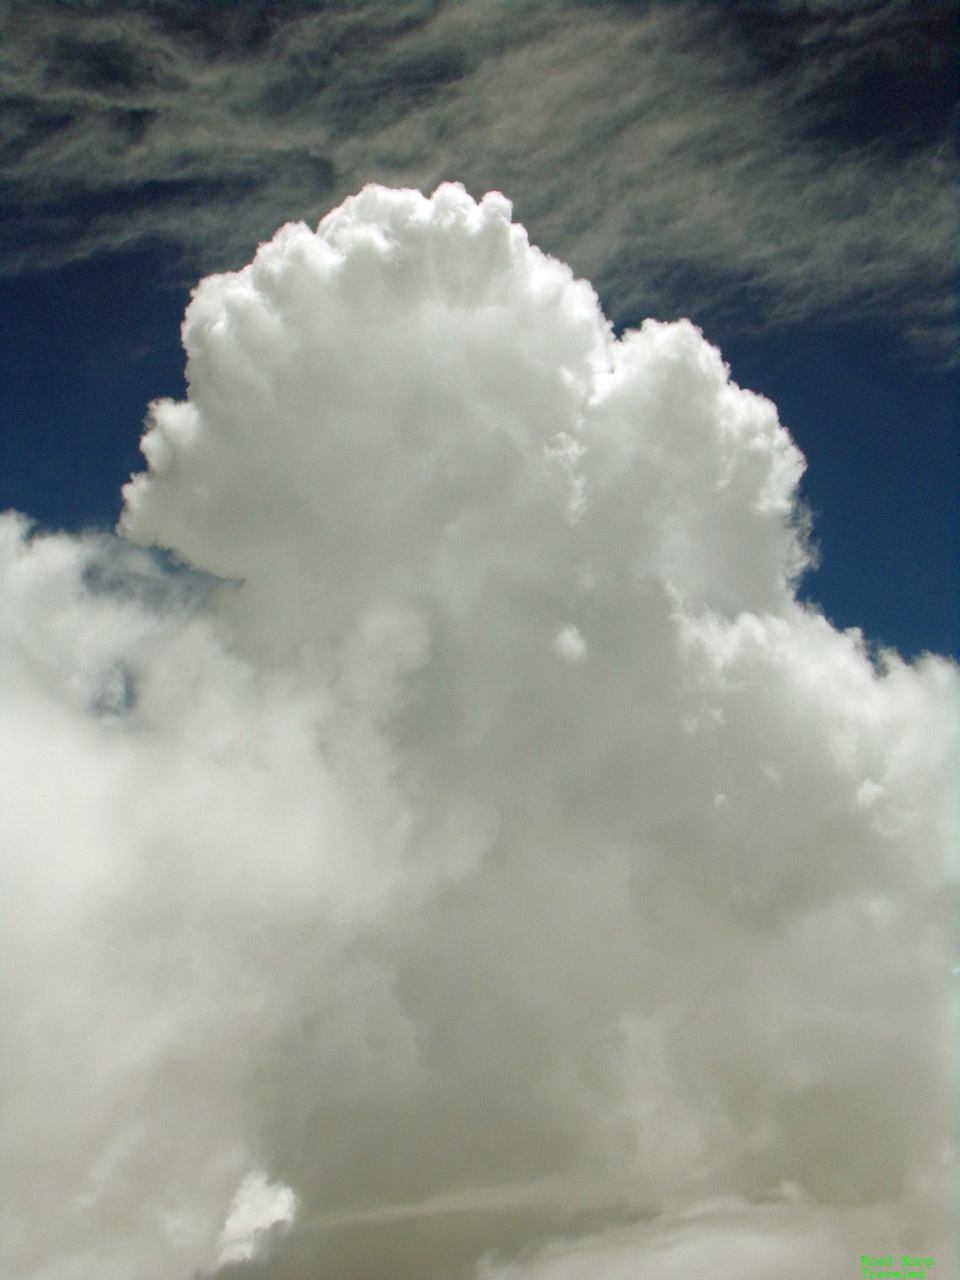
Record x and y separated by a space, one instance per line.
677 159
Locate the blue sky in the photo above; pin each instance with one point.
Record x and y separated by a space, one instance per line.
805 219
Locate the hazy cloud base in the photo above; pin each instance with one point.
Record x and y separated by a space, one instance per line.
479 863
686 158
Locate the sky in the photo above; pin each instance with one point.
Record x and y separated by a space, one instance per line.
480 621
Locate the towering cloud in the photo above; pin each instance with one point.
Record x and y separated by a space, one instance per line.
470 856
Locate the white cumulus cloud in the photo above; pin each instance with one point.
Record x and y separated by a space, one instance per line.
258 1208
570 644
326 880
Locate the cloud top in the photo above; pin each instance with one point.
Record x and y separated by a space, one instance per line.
463 388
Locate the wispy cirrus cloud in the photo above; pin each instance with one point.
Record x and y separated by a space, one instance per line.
681 157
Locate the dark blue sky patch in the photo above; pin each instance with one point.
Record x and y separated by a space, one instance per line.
879 427
33 232
885 75
26 124
103 65
83 349
77 205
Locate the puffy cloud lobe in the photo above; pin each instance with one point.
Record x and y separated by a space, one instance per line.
258 1208
499 843
443 380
